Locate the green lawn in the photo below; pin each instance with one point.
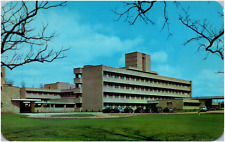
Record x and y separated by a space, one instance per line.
183 127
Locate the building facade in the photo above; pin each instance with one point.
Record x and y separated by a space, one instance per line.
132 86
98 87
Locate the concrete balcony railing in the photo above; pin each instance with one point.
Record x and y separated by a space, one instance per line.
77 90
147 84
77 70
142 92
68 100
42 96
77 80
124 100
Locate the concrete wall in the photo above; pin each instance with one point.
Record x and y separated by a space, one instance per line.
176 104
2 76
92 88
8 93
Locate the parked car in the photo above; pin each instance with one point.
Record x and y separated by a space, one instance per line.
213 108
139 110
168 109
203 109
157 109
118 110
108 110
148 110
128 110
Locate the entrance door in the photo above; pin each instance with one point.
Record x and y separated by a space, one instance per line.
25 107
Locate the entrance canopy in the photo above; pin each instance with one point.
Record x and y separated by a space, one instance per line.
27 100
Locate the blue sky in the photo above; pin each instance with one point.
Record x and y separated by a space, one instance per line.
94 38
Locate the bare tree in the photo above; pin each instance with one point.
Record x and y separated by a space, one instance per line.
205 32
21 41
10 82
23 84
42 85
210 38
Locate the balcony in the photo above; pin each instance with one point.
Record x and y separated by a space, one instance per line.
77 71
42 96
124 100
77 90
69 100
144 83
142 92
77 80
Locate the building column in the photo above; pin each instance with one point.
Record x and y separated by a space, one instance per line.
64 108
75 106
32 107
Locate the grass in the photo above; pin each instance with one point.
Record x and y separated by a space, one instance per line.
183 127
75 115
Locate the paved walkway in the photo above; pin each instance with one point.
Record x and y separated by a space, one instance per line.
100 115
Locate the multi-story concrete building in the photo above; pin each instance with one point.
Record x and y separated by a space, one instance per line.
97 87
134 85
56 97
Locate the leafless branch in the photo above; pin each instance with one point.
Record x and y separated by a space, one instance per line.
17 35
203 31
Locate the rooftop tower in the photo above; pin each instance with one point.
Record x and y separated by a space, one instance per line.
138 60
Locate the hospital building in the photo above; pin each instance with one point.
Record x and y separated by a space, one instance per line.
98 87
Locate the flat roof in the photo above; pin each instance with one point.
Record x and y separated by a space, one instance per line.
153 102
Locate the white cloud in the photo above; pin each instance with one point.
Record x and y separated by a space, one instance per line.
160 56
87 44
210 82
170 71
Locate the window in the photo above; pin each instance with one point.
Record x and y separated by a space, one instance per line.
37 105
59 105
70 106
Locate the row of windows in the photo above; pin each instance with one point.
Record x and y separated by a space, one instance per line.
142 88
57 105
64 94
42 93
124 105
128 96
72 95
141 79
